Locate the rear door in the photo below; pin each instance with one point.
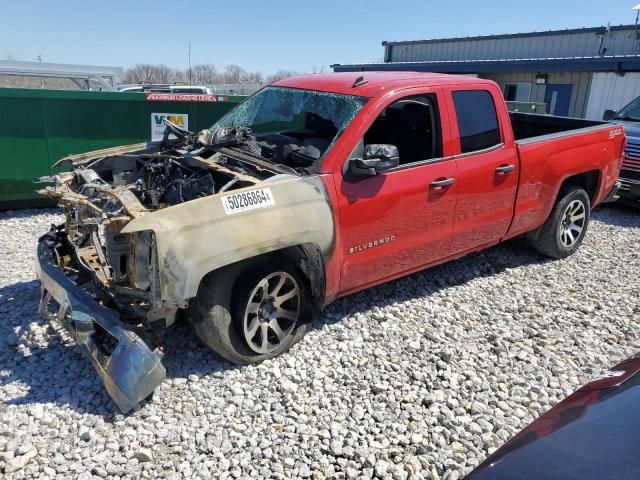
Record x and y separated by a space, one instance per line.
487 168
400 220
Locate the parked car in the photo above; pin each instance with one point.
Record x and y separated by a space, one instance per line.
312 189
167 88
629 116
591 435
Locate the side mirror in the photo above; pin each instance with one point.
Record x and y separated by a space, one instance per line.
609 114
378 158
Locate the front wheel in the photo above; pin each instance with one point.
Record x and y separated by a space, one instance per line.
268 304
252 316
564 230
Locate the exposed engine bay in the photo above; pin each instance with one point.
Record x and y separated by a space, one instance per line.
105 190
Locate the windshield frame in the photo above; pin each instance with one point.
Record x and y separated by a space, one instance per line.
633 105
361 100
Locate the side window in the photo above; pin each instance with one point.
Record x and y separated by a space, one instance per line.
412 125
477 120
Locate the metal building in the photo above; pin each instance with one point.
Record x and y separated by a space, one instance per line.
578 72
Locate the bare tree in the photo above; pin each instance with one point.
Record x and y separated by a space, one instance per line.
179 76
253 77
147 73
233 73
142 72
164 74
316 69
280 74
203 74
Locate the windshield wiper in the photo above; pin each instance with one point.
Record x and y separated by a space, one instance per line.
179 132
228 136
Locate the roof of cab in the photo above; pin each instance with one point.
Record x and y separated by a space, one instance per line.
343 82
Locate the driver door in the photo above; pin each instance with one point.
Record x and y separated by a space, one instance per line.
400 220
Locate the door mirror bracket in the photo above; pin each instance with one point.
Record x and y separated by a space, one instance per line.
378 158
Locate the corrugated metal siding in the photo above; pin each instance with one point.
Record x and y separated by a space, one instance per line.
557 44
611 91
581 82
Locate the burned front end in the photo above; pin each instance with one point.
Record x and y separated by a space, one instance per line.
104 285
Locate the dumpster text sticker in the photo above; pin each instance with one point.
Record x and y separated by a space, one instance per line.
158 126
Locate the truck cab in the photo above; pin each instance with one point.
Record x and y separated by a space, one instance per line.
452 191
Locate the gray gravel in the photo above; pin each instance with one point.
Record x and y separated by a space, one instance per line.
420 378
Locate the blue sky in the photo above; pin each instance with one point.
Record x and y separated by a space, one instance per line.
268 35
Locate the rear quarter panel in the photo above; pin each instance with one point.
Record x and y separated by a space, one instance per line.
547 161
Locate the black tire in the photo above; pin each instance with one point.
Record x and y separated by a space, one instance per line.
217 313
560 236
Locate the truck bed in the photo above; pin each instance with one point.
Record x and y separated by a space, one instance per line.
552 148
527 127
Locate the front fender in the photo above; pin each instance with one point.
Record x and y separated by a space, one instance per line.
198 237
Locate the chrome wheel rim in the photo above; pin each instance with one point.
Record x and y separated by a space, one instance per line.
271 312
572 224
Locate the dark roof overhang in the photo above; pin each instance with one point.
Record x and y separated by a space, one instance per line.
620 64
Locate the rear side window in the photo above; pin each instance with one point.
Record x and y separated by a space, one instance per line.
477 120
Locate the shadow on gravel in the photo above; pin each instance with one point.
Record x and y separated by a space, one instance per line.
47 365
510 254
618 215
42 363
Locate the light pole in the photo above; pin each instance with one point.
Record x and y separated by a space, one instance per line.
637 9
190 60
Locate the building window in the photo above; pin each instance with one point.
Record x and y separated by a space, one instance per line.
517 92
477 120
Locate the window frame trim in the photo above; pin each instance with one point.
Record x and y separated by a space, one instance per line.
439 121
456 129
444 159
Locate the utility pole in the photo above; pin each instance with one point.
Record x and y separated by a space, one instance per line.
39 58
189 63
637 9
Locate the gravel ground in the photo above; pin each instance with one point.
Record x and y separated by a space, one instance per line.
420 378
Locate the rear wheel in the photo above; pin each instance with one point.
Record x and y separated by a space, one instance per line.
564 230
253 316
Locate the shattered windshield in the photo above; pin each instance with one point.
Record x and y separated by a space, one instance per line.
300 113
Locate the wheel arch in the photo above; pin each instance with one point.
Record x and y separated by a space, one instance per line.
589 180
306 257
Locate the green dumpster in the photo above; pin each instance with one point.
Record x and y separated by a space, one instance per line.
38 127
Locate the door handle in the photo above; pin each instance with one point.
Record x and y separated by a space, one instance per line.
442 183
505 169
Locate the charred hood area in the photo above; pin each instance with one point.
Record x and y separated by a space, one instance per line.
105 190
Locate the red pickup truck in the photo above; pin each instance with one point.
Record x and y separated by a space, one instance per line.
313 188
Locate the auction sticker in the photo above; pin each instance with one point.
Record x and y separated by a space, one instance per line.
241 202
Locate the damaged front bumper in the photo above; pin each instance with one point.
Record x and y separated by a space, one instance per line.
128 368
